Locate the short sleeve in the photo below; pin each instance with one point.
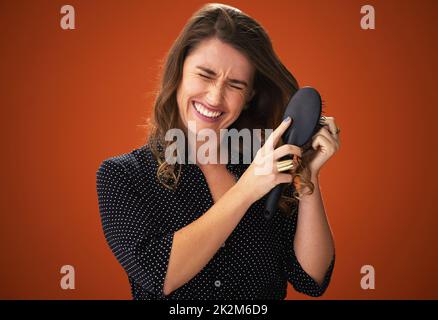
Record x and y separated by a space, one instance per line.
129 229
300 279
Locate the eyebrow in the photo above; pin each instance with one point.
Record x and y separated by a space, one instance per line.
211 72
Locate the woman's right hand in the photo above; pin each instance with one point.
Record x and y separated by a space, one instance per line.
262 174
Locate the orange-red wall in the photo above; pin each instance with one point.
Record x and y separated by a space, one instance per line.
71 98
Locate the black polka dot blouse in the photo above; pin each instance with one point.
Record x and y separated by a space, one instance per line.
140 216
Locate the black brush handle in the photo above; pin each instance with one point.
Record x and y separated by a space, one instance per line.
273 199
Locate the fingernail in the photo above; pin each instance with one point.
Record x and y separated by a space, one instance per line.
287 119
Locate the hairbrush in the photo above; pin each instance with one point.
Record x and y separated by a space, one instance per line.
304 108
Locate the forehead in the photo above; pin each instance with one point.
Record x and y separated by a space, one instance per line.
221 57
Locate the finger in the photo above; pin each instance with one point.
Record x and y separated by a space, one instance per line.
283 178
334 140
331 140
330 122
287 149
320 140
324 132
275 136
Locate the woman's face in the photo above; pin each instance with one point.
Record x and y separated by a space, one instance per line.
216 83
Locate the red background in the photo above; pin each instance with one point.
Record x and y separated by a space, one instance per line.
71 98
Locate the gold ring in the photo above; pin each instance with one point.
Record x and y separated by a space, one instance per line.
322 119
286 168
284 165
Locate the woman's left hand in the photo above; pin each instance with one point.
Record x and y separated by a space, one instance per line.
327 140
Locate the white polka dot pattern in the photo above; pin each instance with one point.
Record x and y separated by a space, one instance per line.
139 218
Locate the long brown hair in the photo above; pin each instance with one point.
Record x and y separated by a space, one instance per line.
273 84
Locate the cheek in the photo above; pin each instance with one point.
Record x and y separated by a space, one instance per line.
237 100
182 95
192 88
179 99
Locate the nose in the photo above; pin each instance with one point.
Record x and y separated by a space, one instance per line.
215 94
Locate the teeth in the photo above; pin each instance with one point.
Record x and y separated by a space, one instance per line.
202 110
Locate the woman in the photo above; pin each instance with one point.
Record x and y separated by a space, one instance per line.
197 231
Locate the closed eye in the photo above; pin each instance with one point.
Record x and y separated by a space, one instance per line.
238 88
204 76
209 78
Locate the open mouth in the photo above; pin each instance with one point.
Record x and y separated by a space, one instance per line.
205 112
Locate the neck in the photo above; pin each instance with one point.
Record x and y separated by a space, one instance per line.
205 154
